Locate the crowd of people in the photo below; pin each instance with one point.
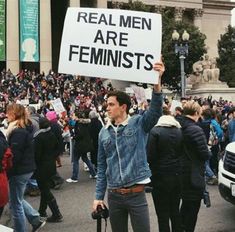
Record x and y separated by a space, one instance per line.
131 145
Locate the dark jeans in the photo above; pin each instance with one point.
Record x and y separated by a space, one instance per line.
46 195
85 159
1 210
166 198
134 204
191 202
189 211
214 158
56 180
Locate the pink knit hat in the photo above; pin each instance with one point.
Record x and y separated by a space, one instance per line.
51 116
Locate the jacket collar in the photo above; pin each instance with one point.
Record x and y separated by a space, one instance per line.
124 123
41 131
168 121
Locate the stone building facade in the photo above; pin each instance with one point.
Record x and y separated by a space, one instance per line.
211 16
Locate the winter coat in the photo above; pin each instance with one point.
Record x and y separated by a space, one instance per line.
218 129
95 128
21 143
45 144
164 148
231 130
4 192
194 154
57 130
195 142
83 141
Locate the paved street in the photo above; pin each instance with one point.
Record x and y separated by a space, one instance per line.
75 201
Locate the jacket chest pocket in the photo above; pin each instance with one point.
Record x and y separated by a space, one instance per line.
109 146
130 137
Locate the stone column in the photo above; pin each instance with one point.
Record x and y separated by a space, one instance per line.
101 3
179 13
74 3
116 5
12 40
159 9
198 18
45 36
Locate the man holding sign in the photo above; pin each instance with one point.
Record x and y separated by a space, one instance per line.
122 162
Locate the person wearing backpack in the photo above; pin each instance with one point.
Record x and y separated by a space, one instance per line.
231 126
194 155
216 137
205 123
20 140
5 164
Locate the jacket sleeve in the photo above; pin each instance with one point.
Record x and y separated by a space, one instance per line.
17 145
3 146
37 150
199 141
101 182
152 145
231 131
151 116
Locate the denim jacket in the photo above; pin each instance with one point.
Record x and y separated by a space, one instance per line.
122 159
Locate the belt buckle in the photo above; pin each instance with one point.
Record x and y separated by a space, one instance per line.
122 191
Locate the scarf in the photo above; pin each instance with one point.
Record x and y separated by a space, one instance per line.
168 121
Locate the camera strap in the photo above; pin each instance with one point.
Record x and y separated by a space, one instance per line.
105 225
99 222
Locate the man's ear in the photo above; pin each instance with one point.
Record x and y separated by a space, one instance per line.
124 106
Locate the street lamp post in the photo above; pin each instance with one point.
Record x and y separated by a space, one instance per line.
181 49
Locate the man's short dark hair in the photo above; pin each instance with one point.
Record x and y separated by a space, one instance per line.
178 108
122 98
207 114
232 110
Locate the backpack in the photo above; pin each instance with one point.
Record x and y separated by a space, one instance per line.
6 162
213 138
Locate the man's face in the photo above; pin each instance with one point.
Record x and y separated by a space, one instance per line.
113 109
183 102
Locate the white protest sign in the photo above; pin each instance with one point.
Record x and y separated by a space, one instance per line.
24 102
58 106
111 43
129 90
139 94
148 93
174 104
36 106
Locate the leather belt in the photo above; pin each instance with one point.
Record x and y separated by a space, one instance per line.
133 189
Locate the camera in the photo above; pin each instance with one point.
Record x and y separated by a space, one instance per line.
206 199
100 213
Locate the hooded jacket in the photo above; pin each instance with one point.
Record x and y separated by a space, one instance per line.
164 147
195 143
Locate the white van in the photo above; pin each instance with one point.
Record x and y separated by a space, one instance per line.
226 175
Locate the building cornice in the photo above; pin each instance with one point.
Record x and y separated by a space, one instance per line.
214 4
